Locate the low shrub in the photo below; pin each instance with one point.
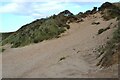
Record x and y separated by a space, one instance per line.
96 23
36 41
100 31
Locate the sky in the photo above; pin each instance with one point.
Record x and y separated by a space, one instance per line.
16 13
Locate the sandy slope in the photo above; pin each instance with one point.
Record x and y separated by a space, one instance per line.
77 45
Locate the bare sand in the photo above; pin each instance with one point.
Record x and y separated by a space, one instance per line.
77 46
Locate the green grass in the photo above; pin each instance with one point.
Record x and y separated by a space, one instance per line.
37 31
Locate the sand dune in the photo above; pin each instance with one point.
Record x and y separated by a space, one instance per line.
76 46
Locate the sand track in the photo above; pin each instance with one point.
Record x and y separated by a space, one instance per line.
42 60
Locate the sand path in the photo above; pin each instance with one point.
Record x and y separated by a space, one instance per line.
42 60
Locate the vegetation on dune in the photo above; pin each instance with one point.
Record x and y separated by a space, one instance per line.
100 31
5 35
111 52
109 11
39 30
47 30
88 12
117 4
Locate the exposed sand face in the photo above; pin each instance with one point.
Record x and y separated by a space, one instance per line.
77 45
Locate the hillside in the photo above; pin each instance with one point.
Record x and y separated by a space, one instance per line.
53 26
65 45
39 30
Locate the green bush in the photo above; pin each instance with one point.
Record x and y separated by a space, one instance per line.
36 41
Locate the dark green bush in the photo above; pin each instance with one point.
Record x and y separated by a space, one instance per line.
36 41
102 30
15 45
